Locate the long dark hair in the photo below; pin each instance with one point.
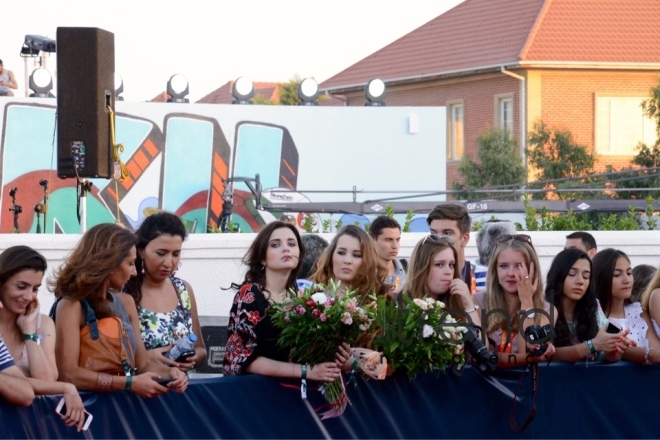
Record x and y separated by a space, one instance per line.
257 253
161 223
603 266
585 308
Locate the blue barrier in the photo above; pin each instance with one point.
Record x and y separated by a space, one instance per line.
573 401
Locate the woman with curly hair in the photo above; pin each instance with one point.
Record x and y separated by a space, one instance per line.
99 266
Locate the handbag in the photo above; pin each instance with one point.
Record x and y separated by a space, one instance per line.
104 344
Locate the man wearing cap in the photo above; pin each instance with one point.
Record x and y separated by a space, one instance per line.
7 81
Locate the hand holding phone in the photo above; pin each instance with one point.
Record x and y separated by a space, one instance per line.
613 329
61 410
185 355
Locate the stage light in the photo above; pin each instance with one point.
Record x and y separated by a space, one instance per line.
308 92
242 90
119 87
39 43
41 83
374 92
177 88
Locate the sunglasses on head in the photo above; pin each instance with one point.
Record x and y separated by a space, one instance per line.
518 237
439 239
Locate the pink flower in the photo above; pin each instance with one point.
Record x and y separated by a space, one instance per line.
287 308
329 302
300 310
351 304
316 313
323 317
347 318
310 303
287 319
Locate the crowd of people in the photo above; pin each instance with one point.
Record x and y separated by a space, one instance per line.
120 308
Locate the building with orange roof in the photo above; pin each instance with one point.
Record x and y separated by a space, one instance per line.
582 65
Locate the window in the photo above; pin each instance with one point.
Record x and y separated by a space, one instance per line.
503 113
456 141
620 124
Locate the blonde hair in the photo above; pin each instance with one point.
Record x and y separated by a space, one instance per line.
646 296
495 299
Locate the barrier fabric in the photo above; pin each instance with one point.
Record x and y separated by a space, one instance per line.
573 401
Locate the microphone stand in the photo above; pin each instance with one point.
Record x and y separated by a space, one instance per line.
17 209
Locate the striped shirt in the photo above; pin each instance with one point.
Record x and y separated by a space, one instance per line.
6 360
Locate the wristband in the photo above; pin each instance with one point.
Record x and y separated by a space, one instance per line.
303 384
103 382
31 337
646 356
129 382
473 309
592 347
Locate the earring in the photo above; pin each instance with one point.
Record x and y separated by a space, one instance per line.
142 270
263 267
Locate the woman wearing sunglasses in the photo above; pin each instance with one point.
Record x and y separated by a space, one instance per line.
514 300
434 273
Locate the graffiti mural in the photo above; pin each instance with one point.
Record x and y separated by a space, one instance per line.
180 158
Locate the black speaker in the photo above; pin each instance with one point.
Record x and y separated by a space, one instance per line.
85 89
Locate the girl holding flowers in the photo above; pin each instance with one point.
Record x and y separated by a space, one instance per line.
273 261
352 260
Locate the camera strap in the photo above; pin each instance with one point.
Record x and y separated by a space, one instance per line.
534 371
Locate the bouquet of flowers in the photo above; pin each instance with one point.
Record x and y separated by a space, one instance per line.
418 335
314 323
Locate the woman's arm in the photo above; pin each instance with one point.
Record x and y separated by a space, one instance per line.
15 388
75 410
200 349
324 372
41 356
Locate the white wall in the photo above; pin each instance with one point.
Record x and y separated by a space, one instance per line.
211 262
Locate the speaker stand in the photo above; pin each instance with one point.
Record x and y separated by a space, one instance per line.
85 187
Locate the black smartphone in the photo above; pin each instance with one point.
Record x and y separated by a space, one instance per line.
164 382
611 328
186 354
61 409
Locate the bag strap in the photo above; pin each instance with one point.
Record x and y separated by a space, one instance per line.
404 264
90 319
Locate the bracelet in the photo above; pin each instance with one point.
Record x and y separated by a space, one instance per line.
646 356
592 347
473 309
303 384
103 382
31 337
129 382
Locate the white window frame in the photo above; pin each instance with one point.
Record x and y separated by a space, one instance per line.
503 120
455 130
620 125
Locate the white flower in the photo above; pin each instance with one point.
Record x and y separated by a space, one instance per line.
421 303
427 331
319 298
461 329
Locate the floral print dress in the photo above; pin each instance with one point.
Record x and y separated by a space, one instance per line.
251 333
162 329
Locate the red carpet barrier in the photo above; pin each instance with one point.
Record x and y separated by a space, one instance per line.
573 401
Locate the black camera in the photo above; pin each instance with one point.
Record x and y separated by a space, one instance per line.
535 334
484 359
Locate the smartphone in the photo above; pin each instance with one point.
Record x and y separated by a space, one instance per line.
164 382
186 354
611 328
61 409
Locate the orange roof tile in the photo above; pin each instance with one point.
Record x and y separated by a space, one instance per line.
480 34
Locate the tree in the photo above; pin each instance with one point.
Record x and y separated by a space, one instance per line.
499 163
557 157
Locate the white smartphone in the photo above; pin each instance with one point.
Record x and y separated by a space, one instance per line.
61 409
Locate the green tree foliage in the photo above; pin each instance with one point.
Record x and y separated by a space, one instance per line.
498 163
551 221
557 157
289 92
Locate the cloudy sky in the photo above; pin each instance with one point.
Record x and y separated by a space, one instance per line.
214 41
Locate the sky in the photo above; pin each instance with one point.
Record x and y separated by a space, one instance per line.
212 42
